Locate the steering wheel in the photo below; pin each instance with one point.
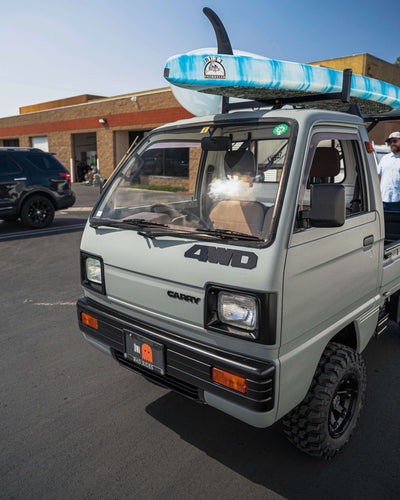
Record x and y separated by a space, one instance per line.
164 208
186 215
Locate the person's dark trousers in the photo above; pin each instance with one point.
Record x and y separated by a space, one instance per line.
391 206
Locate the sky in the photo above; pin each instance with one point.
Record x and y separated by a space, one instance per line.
52 50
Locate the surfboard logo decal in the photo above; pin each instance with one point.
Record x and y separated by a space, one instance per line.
214 68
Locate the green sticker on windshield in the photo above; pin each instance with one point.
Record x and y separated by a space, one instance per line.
280 129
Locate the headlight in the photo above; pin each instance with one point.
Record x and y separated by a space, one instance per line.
237 310
93 270
243 313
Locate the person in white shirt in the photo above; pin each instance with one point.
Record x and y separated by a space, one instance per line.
389 175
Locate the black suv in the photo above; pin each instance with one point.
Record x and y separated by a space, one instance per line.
33 185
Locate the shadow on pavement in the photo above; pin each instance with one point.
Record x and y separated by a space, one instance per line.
15 230
368 467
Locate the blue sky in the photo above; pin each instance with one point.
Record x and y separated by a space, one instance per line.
52 50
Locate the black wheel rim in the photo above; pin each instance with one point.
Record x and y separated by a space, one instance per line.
343 406
39 212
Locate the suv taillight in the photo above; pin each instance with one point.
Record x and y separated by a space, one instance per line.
66 176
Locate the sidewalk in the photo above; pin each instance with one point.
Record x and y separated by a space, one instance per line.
86 195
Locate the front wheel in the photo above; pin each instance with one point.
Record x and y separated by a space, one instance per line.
324 422
37 212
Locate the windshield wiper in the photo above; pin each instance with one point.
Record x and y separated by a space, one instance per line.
125 223
227 233
219 233
129 223
172 232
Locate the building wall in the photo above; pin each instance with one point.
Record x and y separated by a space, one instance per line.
138 112
366 65
373 67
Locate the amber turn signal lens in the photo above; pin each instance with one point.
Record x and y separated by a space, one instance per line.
235 382
89 320
369 146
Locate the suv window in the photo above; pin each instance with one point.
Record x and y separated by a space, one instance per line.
45 163
8 167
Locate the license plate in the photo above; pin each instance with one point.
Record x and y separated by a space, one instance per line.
145 352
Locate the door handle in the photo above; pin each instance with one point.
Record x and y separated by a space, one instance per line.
20 179
368 241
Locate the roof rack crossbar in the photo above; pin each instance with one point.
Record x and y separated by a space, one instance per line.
389 117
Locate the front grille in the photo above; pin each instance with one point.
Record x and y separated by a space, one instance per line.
188 390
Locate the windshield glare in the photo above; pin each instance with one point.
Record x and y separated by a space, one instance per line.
171 181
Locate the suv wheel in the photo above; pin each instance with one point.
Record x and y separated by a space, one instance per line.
37 211
324 422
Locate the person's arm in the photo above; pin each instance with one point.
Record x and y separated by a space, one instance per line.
380 170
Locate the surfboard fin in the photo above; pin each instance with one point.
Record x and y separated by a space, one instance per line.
224 44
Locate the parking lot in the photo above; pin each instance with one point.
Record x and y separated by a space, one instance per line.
76 425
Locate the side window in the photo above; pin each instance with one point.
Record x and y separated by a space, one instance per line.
43 162
335 159
8 167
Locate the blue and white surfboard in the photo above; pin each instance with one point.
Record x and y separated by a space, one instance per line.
249 76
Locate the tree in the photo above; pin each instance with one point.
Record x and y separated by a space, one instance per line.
397 61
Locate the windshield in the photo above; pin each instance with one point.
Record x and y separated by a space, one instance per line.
212 180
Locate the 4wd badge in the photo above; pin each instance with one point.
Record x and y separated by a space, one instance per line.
214 68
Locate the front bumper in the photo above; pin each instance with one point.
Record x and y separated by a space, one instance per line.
188 364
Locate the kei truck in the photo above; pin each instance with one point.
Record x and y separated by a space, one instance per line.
256 281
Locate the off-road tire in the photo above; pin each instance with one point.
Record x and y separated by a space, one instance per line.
323 423
37 212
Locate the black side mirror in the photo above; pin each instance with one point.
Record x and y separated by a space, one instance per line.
328 205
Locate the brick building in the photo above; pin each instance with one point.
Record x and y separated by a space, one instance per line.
90 128
86 129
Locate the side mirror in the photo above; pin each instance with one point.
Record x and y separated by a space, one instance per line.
328 205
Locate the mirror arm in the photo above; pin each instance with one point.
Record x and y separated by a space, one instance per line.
303 219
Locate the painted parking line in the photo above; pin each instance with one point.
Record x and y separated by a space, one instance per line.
74 210
77 209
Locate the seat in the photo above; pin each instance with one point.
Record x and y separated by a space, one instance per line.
325 165
240 162
235 214
242 216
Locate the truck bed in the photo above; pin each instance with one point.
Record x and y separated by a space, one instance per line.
392 228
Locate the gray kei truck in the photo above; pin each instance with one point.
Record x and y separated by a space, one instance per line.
255 284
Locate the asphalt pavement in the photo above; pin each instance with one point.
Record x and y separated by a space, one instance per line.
74 424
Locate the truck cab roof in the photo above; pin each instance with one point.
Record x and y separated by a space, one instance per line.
300 115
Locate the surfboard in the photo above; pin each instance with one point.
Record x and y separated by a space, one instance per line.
250 76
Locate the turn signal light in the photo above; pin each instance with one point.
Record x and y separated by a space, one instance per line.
235 382
89 320
369 146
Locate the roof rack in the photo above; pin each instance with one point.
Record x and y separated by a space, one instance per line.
391 116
